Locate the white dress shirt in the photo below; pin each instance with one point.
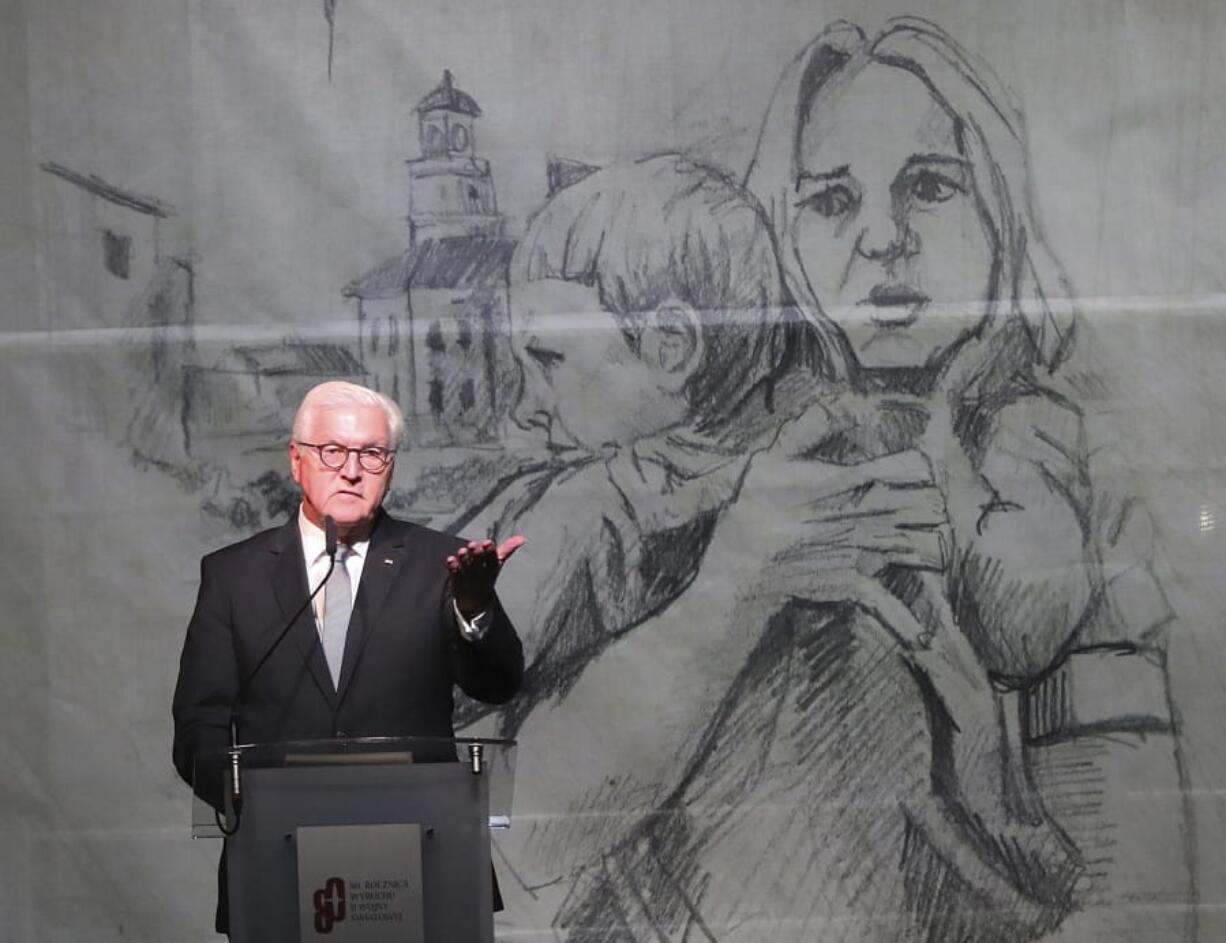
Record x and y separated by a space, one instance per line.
314 552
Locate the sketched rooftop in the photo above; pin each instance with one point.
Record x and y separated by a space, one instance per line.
299 359
454 262
448 98
109 192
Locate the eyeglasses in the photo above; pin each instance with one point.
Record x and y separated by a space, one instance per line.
371 458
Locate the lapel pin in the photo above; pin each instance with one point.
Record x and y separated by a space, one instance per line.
388 561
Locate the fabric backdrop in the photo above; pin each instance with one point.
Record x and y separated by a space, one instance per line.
204 207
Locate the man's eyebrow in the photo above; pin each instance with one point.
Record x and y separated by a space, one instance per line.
805 177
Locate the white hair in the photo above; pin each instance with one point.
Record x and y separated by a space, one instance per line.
337 393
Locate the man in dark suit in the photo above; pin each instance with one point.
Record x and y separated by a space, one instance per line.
407 612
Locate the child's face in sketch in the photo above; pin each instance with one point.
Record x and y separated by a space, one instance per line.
887 223
582 381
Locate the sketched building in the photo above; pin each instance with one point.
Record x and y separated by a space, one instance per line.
113 269
433 321
102 243
451 192
106 265
241 404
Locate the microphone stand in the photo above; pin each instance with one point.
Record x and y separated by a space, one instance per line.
235 753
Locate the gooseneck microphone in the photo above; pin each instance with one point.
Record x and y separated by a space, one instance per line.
330 538
236 784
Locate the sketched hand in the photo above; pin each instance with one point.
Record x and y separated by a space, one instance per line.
824 532
474 570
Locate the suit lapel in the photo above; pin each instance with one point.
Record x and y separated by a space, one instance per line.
384 558
291 591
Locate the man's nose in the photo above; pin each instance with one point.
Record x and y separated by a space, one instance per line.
352 469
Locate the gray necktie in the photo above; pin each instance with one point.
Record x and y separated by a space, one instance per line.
338 602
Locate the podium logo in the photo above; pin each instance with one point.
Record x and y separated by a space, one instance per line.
329 903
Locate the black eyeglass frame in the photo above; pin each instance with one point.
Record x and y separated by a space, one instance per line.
383 457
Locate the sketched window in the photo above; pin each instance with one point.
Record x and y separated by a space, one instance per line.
435 397
465 338
459 137
117 253
468 395
436 143
434 338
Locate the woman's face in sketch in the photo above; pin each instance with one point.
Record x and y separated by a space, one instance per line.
887 222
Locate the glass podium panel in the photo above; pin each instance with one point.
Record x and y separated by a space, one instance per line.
494 760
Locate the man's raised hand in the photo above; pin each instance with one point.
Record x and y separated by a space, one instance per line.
474 570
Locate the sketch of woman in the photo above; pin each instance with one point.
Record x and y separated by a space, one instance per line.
895 176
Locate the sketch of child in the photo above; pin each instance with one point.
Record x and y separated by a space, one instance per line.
647 323
895 177
608 518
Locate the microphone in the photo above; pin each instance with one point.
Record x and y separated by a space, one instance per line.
236 785
330 537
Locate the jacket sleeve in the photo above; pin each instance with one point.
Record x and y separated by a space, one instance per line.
491 669
207 686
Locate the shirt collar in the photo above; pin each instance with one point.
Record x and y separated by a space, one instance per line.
314 544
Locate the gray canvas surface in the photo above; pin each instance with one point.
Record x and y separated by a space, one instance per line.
205 208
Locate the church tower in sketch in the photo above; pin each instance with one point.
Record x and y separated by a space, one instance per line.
451 192
433 322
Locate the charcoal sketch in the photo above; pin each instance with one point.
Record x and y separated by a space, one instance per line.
816 472
660 274
428 327
921 648
126 235
330 18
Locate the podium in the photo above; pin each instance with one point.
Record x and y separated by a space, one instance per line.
360 839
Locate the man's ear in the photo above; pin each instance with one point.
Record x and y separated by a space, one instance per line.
672 342
295 462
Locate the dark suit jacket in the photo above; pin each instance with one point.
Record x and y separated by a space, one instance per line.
403 653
